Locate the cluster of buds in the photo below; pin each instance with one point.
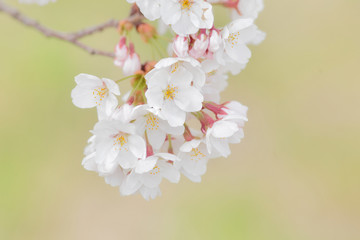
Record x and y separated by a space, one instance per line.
172 122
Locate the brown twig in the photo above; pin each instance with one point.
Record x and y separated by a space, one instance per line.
73 37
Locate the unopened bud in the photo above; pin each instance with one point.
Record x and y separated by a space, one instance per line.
181 46
124 26
146 31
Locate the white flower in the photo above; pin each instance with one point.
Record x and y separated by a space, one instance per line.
148 174
172 89
236 35
40 2
92 92
116 144
194 158
156 128
150 8
248 9
187 16
221 134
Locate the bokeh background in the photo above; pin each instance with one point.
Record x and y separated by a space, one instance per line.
295 176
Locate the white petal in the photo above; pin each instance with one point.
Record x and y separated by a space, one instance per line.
146 165
189 99
173 114
137 146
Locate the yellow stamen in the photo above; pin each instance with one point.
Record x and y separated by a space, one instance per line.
186 4
169 93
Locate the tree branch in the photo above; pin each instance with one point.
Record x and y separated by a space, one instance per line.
73 37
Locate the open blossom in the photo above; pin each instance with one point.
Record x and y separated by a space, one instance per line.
194 158
156 128
148 174
92 91
117 144
187 16
40 2
172 89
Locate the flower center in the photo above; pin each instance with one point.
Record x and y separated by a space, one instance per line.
233 39
169 93
174 67
186 4
152 122
120 142
196 154
99 94
155 170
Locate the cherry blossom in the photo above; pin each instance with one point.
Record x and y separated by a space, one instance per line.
173 121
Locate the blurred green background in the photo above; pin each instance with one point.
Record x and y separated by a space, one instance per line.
295 176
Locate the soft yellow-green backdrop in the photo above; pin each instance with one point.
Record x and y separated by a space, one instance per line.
294 177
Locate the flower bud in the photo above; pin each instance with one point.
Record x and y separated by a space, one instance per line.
146 31
200 45
124 26
132 62
121 52
215 40
181 46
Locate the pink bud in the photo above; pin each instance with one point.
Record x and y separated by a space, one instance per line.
181 46
200 46
121 52
132 63
215 108
206 121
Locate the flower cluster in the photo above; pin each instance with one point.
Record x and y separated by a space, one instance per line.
172 122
